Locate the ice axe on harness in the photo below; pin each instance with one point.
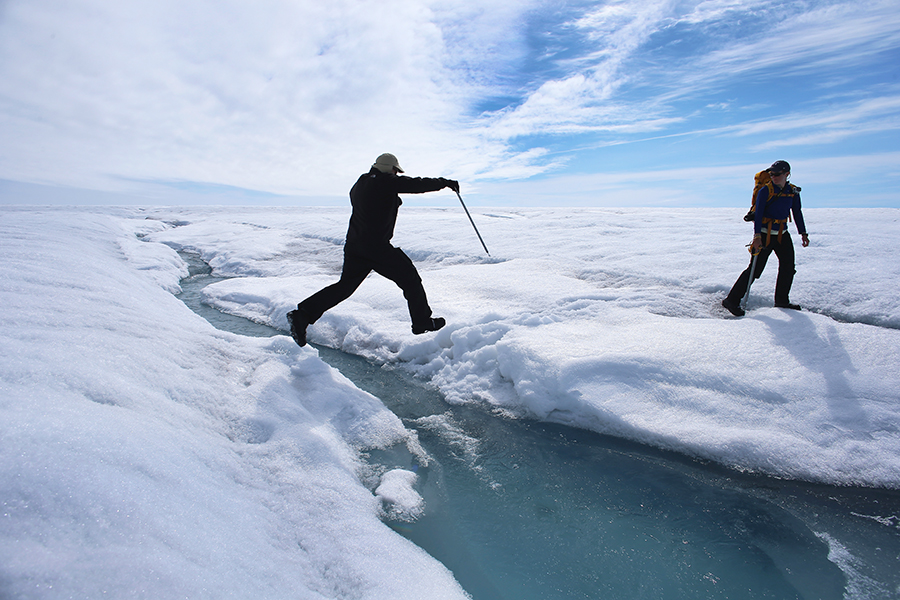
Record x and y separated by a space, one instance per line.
472 222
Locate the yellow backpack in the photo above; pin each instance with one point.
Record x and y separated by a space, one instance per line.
761 180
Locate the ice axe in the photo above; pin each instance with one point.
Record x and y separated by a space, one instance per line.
472 222
752 277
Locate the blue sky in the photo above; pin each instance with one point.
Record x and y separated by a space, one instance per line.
527 103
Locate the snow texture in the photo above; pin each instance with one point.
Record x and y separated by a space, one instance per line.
142 446
145 454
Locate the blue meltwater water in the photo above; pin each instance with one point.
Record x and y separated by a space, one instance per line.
523 510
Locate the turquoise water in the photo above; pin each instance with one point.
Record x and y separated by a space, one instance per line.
524 510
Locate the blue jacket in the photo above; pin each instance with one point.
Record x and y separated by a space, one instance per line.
783 204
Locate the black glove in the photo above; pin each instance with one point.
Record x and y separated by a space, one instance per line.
452 184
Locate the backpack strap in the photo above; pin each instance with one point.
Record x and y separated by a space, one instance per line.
769 222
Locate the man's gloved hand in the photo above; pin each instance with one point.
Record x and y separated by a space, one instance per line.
452 184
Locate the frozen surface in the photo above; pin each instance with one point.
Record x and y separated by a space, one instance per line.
144 453
134 433
610 320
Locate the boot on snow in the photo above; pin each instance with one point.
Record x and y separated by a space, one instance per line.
298 325
733 307
430 325
787 305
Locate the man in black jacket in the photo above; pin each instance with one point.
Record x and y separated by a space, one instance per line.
368 247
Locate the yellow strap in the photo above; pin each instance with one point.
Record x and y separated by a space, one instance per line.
782 227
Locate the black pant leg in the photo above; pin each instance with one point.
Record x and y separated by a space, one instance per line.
743 281
786 269
353 273
394 264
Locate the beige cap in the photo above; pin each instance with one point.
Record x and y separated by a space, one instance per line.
386 163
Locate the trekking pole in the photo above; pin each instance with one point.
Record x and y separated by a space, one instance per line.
752 274
472 222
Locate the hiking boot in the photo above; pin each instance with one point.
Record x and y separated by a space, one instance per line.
298 325
787 305
733 307
430 325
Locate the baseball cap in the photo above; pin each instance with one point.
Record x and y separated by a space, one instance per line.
778 167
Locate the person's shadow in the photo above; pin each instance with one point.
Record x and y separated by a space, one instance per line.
824 353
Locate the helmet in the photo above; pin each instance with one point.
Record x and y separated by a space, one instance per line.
778 167
386 163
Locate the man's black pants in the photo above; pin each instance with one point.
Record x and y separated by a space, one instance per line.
387 261
784 250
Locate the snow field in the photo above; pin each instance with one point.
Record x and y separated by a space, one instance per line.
145 454
610 320
164 457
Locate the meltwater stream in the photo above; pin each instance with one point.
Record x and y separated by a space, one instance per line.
520 510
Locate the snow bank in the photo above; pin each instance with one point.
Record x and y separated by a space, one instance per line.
610 320
145 454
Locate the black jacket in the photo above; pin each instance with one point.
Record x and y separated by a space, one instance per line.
375 202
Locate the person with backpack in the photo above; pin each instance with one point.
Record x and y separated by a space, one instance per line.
375 200
774 202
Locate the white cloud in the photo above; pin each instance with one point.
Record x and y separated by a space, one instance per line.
824 180
575 103
831 124
588 97
298 97
794 39
711 11
843 33
286 96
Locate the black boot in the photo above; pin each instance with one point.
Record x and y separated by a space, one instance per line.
298 325
733 307
432 325
787 305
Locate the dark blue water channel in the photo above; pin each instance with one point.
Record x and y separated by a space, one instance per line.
523 510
